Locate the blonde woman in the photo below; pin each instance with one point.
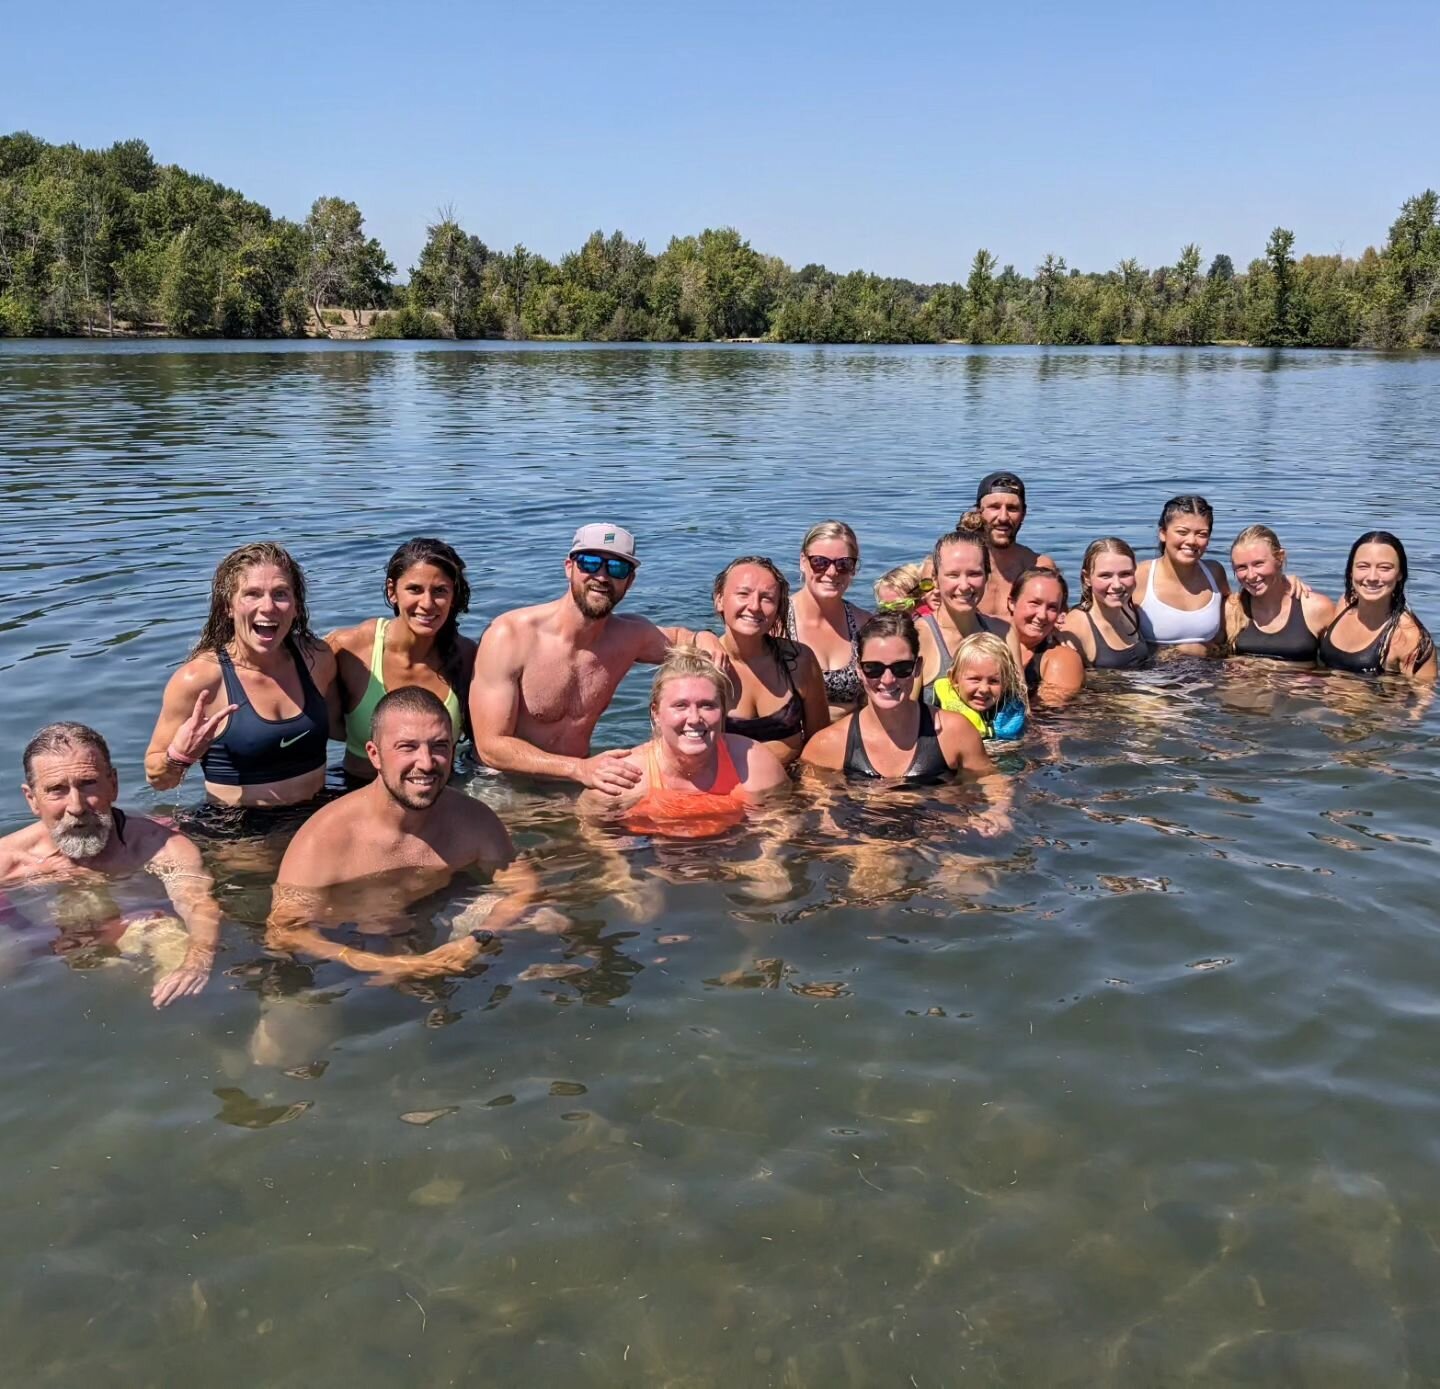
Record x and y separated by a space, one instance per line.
985 684
695 779
822 618
1267 617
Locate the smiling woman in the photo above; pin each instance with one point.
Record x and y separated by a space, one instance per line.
255 701
695 778
427 591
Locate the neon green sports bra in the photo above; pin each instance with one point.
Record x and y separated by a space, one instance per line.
357 721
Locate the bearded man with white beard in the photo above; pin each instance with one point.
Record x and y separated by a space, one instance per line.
84 838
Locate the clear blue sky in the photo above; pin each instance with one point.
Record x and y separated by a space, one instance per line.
893 138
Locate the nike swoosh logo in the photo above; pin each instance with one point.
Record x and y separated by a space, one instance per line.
285 742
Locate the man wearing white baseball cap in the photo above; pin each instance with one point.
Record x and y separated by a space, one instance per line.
544 675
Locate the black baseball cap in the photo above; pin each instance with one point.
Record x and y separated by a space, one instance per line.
999 482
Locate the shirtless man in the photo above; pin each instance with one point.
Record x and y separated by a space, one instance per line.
999 513
544 675
83 838
362 861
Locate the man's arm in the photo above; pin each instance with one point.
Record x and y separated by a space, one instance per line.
178 865
655 642
495 715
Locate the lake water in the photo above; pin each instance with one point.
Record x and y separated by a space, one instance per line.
1143 1093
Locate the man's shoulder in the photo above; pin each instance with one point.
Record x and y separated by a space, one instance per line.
149 835
466 810
17 852
516 628
475 831
332 820
629 627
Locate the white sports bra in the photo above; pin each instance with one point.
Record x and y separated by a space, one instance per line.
1163 625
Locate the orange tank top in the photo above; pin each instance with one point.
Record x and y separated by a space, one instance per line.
689 814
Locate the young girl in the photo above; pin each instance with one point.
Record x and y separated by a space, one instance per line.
986 686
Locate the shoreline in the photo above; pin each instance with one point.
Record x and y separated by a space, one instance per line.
350 336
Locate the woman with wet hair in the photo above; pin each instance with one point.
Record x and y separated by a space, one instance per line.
1266 618
1104 626
696 778
1052 668
426 590
1375 630
822 618
893 736
780 697
1180 595
254 703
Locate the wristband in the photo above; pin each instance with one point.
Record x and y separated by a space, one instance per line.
180 761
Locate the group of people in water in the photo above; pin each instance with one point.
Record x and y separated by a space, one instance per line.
964 646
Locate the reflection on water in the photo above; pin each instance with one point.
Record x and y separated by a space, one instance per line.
1140 1092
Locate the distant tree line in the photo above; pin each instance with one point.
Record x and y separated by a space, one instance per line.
92 240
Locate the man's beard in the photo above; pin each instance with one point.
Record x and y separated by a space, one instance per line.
410 798
594 603
83 836
1010 537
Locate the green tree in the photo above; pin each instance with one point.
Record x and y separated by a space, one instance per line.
980 289
342 265
450 278
1281 329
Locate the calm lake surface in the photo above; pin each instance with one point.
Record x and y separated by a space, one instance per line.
1143 1093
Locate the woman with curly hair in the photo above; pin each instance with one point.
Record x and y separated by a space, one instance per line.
253 703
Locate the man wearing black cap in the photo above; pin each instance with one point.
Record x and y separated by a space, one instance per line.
544 675
999 513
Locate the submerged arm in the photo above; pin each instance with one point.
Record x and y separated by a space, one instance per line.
189 887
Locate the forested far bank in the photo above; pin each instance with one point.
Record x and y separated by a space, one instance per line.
109 241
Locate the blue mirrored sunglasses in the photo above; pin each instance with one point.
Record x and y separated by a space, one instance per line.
613 566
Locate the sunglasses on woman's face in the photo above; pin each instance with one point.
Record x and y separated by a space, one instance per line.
614 568
820 564
901 670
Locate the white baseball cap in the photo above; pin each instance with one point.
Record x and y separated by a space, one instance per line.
603 538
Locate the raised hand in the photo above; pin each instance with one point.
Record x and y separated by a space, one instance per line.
193 738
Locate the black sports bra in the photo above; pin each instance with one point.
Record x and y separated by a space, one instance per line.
1293 642
1109 657
252 751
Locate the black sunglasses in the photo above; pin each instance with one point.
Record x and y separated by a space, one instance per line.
614 567
901 670
821 563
